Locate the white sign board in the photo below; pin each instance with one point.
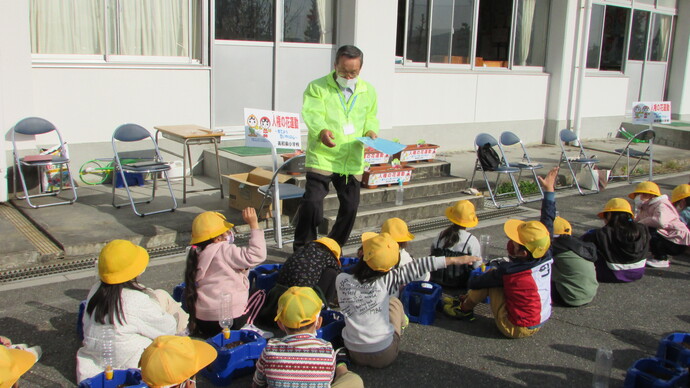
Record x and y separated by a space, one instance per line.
265 127
658 112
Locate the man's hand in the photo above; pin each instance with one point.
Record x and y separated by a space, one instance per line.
372 135
327 137
548 183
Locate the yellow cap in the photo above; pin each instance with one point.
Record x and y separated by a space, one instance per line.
13 364
616 205
397 228
381 252
121 261
531 234
332 245
680 192
170 360
646 187
562 226
298 307
462 213
208 225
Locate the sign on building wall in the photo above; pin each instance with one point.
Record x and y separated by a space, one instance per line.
651 112
279 128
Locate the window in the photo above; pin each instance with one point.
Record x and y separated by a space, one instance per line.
508 32
606 47
638 35
308 21
168 30
661 31
245 20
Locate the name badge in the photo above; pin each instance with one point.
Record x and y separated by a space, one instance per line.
348 129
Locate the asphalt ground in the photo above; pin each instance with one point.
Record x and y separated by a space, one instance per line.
630 319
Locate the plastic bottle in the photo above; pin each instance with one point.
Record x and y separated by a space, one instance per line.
602 368
399 193
484 241
225 320
108 352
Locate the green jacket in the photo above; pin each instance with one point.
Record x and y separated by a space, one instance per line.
323 109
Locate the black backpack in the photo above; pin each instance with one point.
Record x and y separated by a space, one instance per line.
488 157
455 276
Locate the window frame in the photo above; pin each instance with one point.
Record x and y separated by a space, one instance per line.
117 59
472 66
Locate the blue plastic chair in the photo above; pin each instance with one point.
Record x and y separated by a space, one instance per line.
131 133
236 361
332 326
502 169
121 378
419 299
655 373
568 136
264 276
35 126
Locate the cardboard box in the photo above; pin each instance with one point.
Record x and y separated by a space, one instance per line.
243 189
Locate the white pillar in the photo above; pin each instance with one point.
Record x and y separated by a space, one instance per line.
16 84
679 82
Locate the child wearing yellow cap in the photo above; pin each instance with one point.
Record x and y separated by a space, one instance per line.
13 364
520 289
299 358
622 244
314 265
174 361
679 198
136 315
397 228
574 276
215 266
373 319
455 240
669 235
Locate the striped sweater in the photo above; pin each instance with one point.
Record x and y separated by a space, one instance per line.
296 361
365 306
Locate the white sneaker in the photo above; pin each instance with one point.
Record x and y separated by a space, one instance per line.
658 263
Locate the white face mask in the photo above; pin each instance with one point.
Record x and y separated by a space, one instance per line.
638 201
346 83
231 237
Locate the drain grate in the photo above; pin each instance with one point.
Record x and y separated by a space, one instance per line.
38 239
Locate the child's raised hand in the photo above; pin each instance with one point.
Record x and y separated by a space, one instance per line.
249 216
548 183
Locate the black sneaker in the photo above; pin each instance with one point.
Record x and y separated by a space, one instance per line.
342 357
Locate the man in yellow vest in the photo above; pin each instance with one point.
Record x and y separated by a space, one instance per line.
337 109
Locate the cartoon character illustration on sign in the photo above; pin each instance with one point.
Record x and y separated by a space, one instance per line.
265 124
252 124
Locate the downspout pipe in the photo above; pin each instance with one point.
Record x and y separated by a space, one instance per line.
584 42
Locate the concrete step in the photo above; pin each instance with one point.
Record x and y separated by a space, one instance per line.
371 216
415 189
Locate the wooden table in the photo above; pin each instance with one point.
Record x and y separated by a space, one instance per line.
188 135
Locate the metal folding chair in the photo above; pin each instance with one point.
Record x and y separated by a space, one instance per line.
132 133
502 169
508 139
34 126
280 191
581 160
643 137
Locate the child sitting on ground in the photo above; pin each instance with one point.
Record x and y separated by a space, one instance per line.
374 320
669 235
299 358
520 289
172 361
679 198
135 314
455 240
14 362
574 276
314 265
622 244
397 228
216 266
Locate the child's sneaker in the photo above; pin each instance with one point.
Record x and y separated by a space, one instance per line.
454 310
342 357
654 263
405 323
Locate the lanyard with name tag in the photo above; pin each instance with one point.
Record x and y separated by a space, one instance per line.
348 128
